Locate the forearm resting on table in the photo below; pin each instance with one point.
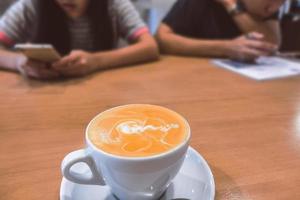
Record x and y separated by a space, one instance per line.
145 49
270 28
10 60
171 43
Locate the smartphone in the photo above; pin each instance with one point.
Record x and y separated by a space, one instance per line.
40 52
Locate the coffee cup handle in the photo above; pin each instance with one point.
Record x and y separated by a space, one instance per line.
80 156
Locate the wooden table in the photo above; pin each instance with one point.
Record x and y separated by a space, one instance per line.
248 131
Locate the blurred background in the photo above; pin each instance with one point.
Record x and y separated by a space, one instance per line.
290 24
4 4
153 11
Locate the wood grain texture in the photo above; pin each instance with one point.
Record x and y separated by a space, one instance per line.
248 131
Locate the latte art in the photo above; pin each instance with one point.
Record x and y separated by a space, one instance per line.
137 130
134 127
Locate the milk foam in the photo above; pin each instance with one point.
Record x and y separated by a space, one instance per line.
134 127
137 130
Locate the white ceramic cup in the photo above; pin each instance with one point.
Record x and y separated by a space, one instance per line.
140 178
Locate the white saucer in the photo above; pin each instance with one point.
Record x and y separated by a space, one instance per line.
193 182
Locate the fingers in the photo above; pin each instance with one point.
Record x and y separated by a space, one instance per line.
255 36
72 66
38 72
43 74
64 62
249 55
255 40
265 47
67 61
75 64
78 69
36 64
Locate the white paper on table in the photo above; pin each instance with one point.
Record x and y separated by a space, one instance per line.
265 68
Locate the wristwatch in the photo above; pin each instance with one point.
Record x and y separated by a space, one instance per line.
236 8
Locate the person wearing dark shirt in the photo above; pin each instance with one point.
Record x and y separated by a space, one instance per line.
237 29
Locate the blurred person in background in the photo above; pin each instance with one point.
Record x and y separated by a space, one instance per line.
237 29
4 4
84 32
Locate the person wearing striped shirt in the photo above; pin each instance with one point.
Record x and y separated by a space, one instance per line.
85 33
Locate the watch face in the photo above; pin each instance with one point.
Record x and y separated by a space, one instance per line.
236 9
